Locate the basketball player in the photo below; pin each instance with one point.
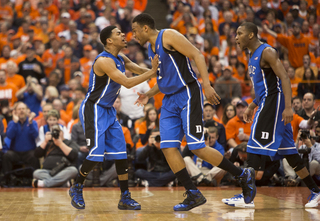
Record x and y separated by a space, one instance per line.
182 106
98 117
271 131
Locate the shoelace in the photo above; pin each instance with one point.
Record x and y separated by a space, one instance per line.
79 195
311 196
130 200
239 196
189 197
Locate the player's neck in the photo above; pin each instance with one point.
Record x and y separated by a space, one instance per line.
153 37
112 50
254 46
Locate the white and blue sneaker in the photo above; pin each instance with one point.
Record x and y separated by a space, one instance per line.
238 201
314 199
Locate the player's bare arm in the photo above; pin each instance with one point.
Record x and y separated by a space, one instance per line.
270 59
107 66
173 40
133 67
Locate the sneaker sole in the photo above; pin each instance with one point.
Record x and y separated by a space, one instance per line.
311 206
129 208
240 205
193 206
76 206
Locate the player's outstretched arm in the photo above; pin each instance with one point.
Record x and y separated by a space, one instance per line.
107 66
144 98
270 56
179 43
133 67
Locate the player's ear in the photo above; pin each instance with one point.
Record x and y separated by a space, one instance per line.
109 40
251 35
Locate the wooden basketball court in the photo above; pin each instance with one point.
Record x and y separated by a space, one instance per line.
271 203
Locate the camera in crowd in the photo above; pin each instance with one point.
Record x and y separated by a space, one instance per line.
157 138
55 133
304 150
305 134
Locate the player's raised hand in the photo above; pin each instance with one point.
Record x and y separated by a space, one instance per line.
212 95
287 115
142 99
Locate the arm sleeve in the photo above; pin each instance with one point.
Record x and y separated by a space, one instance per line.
144 137
12 130
74 152
33 129
255 102
282 39
39 152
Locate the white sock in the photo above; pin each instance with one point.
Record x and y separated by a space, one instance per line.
40 183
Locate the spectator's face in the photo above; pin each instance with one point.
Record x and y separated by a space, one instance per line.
68 52
2 77
57 105
212 138
11 68
240 111
208 113
317 131
308 73
308 101
152 115
291 72
51 121
6 52
46 109
79 95
306 60
296 105
227 74
21 111
230 113
117 105
235 101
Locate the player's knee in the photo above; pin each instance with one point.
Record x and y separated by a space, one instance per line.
121 166
259 175
295 162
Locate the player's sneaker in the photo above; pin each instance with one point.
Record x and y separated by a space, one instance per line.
194 199
248 184
238 201
127 203
77 200
314 199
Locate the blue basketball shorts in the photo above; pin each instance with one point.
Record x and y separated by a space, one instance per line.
182 114
103 132
269 136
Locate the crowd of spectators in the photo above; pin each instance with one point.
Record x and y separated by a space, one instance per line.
47 51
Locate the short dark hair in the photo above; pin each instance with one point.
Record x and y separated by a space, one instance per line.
145 19
296 98
106 33
251 28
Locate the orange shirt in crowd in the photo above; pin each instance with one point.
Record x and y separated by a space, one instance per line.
142 130
50 55
5 124
297 47
8 92
3 62
295 125
6 12
68 68
158 97
127 136
139 5
294 85
64 116
232 129
17 80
